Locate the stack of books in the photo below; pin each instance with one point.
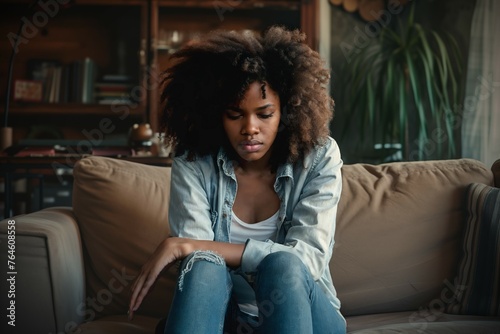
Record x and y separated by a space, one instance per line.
64 83
113 89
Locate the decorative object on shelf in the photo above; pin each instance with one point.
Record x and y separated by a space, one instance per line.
5 137
368 10
170 40
350 5
403 87
371 10
140 139
28 90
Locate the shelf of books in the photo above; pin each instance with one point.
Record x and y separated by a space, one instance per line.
77 82
75 88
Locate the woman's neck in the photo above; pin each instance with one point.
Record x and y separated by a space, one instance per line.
253 168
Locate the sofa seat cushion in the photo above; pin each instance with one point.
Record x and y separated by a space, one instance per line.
398 322
120 325
122 212
398 234
435 322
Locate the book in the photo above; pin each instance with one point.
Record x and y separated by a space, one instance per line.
55 85
113 89
88 80
117 78
36 151
64 86
46 71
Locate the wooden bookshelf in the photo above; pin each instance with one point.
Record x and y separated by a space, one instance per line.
125 37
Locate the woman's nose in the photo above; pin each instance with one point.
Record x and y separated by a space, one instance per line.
250 126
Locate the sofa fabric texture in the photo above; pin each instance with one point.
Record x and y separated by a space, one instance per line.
395 264
398 233
119 238
50 272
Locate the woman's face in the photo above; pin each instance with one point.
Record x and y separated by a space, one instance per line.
252 125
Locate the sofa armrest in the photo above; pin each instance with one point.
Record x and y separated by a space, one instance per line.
47 284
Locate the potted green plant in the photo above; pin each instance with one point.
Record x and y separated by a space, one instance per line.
403 88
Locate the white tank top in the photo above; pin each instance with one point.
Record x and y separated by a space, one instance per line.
240 232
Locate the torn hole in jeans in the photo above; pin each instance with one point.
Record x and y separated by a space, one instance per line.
199 256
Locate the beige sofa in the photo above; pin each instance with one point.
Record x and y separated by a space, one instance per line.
395 263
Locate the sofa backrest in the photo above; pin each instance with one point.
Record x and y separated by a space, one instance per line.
399 231
397 236
122 211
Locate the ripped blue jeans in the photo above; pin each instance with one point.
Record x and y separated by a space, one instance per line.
289 300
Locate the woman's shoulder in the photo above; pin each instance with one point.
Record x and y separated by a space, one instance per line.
327 150
199 163
324 157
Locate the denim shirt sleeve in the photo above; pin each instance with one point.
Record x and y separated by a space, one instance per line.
189 214
315 196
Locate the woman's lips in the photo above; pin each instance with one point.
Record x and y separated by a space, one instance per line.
251 146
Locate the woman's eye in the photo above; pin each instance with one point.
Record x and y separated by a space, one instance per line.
233 116
265 116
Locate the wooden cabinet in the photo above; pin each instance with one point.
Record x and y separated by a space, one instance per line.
63 36
128 43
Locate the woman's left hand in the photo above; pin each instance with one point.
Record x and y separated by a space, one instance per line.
165 255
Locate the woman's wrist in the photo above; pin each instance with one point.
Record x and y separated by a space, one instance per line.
187 246
181 247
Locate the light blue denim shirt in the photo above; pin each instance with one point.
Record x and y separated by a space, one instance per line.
203 192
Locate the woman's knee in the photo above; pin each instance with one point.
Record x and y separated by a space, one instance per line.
205 265
280 263
281 278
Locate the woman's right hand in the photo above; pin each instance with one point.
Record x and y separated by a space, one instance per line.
165 255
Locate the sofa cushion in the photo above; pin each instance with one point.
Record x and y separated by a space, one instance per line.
398 232
421 322
479 270
122 210
120 324
495 168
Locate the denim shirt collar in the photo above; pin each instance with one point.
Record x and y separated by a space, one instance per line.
226 165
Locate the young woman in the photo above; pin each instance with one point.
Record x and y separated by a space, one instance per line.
255 185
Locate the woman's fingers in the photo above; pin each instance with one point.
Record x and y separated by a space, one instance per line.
136 288
165 255
140 290
144 281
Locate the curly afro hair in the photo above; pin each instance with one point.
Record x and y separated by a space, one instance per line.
209 75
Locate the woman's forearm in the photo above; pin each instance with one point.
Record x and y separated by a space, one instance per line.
231 253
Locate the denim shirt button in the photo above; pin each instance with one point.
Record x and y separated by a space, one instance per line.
224 215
